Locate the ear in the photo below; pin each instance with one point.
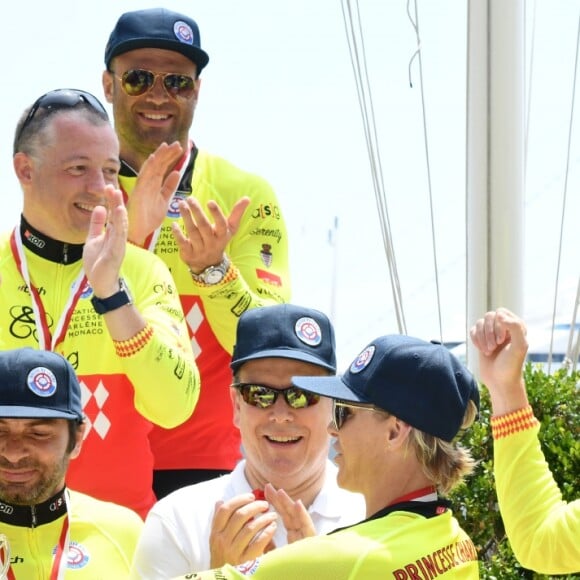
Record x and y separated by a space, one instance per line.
108 80
80 434
235 396
196 91
397 432
23 167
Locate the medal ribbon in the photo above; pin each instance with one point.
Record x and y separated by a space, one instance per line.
46 341
60 561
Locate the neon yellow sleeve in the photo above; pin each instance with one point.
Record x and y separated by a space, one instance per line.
163 372
543 530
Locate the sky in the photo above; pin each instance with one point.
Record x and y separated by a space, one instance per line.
279 99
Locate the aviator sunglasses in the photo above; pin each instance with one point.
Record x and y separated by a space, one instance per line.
341 411
263 397
61 99
137 81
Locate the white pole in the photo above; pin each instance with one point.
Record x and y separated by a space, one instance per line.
495 158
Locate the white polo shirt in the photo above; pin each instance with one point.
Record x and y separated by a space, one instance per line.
175 539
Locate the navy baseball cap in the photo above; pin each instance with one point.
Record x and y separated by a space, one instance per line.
38 383
285 331
420 382
156 28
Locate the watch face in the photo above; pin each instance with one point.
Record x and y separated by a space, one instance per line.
213 276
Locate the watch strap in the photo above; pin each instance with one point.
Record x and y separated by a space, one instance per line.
207 276
120 298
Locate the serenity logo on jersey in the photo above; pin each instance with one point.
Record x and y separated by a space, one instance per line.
268 233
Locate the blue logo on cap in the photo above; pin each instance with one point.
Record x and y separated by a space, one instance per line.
41 382
308 331
183 32
362 360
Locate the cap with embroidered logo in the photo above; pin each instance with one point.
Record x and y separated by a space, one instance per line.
285 331
38 384
420 382
156 28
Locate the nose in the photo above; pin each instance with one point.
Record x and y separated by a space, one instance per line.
157 93
96 182
13 449
280 411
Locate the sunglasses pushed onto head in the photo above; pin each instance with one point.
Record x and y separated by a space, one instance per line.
61 99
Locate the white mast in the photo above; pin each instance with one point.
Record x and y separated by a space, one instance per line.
495 158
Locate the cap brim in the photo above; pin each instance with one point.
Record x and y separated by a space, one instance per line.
16 412
279 353
333 387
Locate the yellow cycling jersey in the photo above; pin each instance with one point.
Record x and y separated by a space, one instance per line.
543 530
258 276
401 545
122 396
102 537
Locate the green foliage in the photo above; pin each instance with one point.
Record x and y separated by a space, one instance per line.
556 403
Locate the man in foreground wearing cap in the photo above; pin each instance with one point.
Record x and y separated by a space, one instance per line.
225 259
50 528
284 435
395 414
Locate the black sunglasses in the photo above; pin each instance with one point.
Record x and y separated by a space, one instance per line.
138 81
61 99
262 396
341 411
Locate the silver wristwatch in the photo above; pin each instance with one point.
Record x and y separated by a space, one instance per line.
212 274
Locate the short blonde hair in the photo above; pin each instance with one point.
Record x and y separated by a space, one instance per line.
444 463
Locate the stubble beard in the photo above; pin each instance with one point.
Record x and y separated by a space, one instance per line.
37 492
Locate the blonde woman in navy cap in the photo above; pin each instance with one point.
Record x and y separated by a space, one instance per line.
283 430
50 529
395 414
222 233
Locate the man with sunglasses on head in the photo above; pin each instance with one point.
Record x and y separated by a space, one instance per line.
283 431
396 413
71 284
52 531
225 257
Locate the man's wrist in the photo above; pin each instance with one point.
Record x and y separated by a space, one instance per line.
212 274
118 298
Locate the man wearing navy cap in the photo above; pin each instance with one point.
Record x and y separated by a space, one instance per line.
49 528
286 445
395 414
225 257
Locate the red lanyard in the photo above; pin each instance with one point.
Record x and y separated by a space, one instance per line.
46 341
425 494
59 563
